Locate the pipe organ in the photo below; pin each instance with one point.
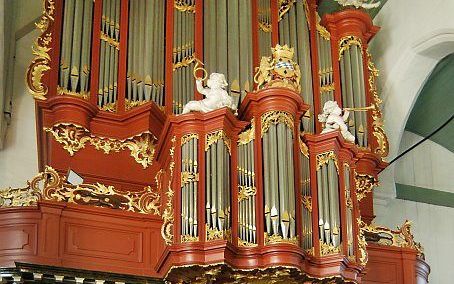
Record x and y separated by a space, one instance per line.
257 194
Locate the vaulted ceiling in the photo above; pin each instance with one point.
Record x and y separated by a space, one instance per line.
435 105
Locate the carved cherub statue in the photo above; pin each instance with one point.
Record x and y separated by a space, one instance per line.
216 96
333 119
365 4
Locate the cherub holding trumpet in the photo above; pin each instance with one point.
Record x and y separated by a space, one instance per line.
333 119
216 96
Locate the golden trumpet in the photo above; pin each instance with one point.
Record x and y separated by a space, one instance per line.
198 66
360 108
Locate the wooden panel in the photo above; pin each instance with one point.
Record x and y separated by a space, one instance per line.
103 241
18 239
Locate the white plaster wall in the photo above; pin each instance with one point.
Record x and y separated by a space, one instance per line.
433 227
18 159
428 165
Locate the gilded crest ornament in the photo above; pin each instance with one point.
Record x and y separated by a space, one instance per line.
279 70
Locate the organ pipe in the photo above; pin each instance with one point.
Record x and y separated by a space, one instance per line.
75 49
306 196
326 78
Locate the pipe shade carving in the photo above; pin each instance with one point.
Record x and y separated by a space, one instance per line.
74 138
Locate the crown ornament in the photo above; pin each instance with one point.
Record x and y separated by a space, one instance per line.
282 51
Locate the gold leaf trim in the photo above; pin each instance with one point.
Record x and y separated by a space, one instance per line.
49 185
41 47
242 243
248 135
364 184
327 88
110 41
245 192
167 215
213 137
189 239
265 27
74 137
109 107
277 239
303 147
346 42
377 125
307 203
213 234
185 62
275 117
129 104
284 7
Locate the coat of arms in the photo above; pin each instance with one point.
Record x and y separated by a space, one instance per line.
278 70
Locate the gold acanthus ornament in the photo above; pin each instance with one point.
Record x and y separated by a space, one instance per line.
184 6
364 184
167 215
248 135
49 185
323 32
278 70
377 125
277 239
327 249
275 117
213 234
41 62
323 159
214 136
74 138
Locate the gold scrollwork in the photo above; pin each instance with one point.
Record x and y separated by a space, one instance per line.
284 7
323 32
109 107
189 239
402 237
362 244
74 137
364 184
303 147
184 6
307 202
327 249
167 215
275 117
248 135
129 104
277 239
265 27
213 137
110 41
377 125
213 234
41 47
346 42
245 192
185 62
324 158
327 88
187 177
49 185
186 138
242 243
63 91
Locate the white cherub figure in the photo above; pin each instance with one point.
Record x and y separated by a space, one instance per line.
333 119
365 4
216 96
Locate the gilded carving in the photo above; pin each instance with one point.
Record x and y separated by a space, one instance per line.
303 147
324 158
277 239
278 70
213 234
184 6
364 184
346 42
265 27
110 41
327 249
362 244
167 215
307 203
189 239
248 135
186 138
132 104
327 88
377 125
213 137
187 177
242 243
109 107
402 237
245 192
185 62
275 117
323 32
41 62
74 137
49 185
284 7
63 91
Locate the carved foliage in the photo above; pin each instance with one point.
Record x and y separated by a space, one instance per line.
364 184
74 137
41 63
213 137
346 42
275 117
48 185
168 216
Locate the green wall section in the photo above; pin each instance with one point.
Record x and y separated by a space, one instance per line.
424 195
435 105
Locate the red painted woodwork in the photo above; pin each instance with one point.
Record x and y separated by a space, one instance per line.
82 237
394 265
